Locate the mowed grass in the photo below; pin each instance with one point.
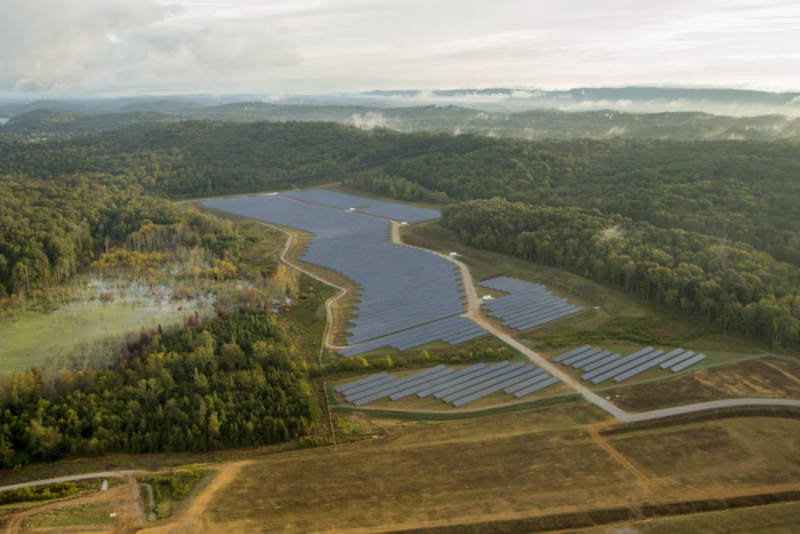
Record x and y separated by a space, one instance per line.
610 315
768 377
537 462
72 516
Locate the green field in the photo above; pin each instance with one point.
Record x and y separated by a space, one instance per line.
79 331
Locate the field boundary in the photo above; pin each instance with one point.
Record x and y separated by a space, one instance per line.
609 516
780 412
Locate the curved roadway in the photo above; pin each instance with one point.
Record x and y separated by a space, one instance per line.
473 313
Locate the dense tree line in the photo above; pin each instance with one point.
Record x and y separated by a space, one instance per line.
739 190
728 284
533 124
234 382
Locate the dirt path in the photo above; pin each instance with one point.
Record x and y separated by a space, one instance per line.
125 496
194 517
648 484
71 478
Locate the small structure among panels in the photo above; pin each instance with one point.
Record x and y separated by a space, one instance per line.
370 206
600 365
527 305
458 388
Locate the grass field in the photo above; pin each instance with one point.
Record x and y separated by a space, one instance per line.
73 516
81 330
522 464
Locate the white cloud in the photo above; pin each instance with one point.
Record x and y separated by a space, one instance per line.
118 45
317 46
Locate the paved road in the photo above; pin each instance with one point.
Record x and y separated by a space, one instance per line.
710 405
474 304
72 478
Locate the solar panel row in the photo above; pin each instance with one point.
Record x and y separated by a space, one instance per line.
496 387
536 387
350 385
501 377
455 380
458 387
442 380
386 389
688 363
495 371
533 379
600 365
452 330
527 305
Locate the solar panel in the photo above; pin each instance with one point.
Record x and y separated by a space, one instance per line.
503 378
527 305
627 366
494 388
677 359
360 382
496 371
642 367
571 353
688 363
586 367
581 357
622 361
461 379
533 379
536 387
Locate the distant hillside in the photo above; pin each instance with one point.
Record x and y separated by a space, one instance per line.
533 124
735 102
56 123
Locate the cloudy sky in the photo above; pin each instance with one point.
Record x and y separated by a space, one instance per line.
104 47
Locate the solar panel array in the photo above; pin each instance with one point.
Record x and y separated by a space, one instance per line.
600 365
456 387
407 297
370 206
527 305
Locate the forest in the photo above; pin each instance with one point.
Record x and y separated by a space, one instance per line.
728 284
236 381
64 201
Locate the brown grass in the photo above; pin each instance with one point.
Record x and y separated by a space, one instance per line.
535 463
766 377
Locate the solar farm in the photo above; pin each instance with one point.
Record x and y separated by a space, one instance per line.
455 387
407 297
600 365
527 305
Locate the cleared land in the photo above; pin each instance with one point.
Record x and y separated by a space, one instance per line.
538 462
